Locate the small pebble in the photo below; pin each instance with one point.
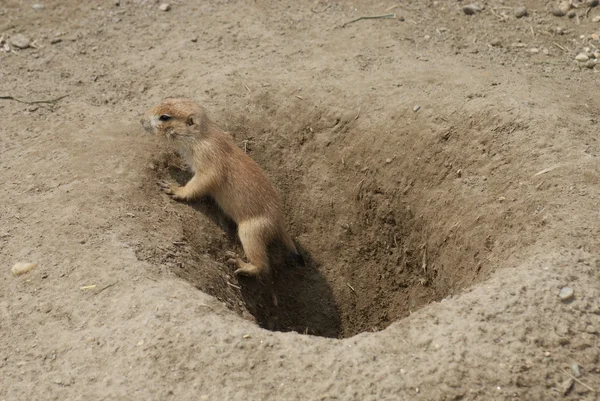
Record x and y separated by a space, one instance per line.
592 3
22 268
20 41
566 294
575 370
572 14
520 12
164 7
582 57
194 39
471 9
416 108
565 6
37 6
596 18
590 329
590 64
496 42
534 50
388 160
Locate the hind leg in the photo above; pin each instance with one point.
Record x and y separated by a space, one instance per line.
254 236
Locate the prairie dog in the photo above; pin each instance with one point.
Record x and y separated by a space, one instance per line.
227 174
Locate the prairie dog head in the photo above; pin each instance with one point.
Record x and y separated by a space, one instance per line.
175 119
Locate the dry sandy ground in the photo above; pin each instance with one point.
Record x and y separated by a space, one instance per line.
440 173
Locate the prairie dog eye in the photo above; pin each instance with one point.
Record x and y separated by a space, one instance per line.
164 117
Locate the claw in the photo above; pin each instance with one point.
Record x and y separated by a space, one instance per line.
231 254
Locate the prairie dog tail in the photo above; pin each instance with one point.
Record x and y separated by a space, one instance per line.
293 253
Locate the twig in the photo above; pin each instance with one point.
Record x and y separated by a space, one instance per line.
579 381
392 7
502 18
352 288
32 102
560 47
383 16
234 286
245 86
104 288
359 188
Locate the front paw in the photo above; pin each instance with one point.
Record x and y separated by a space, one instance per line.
173 190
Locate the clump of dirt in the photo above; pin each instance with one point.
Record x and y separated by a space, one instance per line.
382 237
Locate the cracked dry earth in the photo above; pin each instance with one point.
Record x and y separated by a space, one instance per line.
439 172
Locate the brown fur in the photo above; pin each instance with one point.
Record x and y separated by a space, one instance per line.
224 172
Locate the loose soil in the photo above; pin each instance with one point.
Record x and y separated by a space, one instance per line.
439 172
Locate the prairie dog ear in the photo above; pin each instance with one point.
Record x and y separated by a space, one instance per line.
193 120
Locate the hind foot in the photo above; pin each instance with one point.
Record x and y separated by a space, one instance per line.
245 269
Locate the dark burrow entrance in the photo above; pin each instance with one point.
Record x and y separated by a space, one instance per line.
383 233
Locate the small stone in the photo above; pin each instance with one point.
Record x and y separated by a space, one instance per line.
590 64
20 41
471 9
534 50
566 294
22 268
459 173
590 329
388 160
572 14
37 6
194 39
55 41
117 3
496 42
164 7
520 12
575 370
416 108
582 57
565 6
596 18
593 3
